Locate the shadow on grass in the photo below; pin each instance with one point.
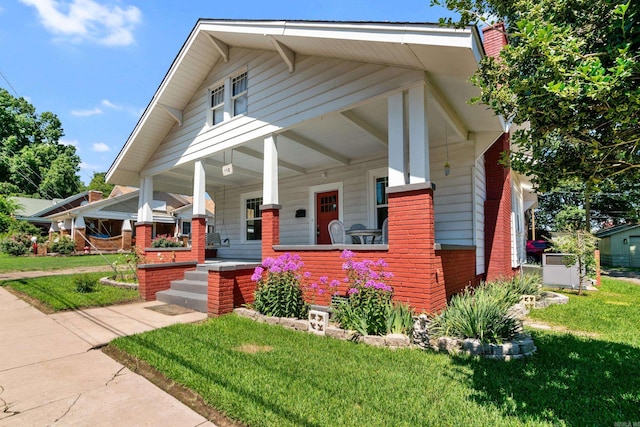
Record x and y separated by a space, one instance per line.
577 380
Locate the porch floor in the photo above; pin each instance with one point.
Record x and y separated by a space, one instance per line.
228 264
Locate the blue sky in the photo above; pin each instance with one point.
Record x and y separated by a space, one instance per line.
97 63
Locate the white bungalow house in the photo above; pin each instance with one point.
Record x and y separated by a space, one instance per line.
291 124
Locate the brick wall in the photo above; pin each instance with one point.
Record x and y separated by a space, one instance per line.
458 268
411 255
94 196
153 278
243 287
497 212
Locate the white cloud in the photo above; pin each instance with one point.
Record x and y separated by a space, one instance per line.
101 147
85 113
88 20
135 112
73 142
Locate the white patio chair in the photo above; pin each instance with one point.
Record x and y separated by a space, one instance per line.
336 231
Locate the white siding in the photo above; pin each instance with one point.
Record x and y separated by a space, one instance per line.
454 194
480 197
518 232
277 100
294 195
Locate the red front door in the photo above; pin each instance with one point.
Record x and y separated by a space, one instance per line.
326 211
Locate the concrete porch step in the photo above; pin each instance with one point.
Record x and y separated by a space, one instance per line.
197 275
187 285
190 300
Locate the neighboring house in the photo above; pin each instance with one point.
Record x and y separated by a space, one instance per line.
620 246
35 211
109 224
291 124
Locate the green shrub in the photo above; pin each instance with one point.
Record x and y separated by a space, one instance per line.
280 294
478 313
16 244
165 242
85 283
63 245
399 318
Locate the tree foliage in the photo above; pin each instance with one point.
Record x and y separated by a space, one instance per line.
98 183
31 156
571 72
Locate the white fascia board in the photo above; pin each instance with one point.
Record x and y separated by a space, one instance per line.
430 34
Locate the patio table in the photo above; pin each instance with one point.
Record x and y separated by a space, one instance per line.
364 233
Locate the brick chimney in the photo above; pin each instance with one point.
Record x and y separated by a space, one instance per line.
495 38
94 196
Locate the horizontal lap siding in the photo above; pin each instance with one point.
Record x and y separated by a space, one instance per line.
480 197
277 99
453 198
294 195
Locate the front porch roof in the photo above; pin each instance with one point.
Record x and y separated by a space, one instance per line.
447 56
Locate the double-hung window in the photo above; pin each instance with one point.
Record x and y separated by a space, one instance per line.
239 94
228 98
217 105
252 218
381 200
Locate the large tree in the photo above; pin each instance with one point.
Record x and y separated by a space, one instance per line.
571 74
31 156
98 183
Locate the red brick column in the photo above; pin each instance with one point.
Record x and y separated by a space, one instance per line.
198 238
143 235
411 257
220 292
497 211
78 238
270 229
126 240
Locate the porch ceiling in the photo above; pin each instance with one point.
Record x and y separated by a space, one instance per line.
315 146
448 57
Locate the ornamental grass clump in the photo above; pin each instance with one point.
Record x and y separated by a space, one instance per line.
480 313
280 293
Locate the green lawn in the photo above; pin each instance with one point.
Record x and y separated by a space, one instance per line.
612 312
59 293
265 375
33 263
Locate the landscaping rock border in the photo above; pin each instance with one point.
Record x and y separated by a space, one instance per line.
548 298
390 341
522 346
110 282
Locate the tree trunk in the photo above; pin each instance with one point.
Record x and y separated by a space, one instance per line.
587 210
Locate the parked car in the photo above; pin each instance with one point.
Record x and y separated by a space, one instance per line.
535 249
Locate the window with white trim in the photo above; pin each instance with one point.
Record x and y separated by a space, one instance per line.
216 104
380 198
252 217
239 94
228 98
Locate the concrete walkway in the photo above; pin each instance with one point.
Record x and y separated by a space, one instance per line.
50 373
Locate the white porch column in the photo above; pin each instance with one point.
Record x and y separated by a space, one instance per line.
397 172
145 212
199 197
270 172
418 135
79 222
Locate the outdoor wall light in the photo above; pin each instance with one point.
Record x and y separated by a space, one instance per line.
625 241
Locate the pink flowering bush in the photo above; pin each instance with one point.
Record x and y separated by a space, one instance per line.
370 297
280 293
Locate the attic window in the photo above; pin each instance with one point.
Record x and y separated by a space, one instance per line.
228 98
217 105
239 95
